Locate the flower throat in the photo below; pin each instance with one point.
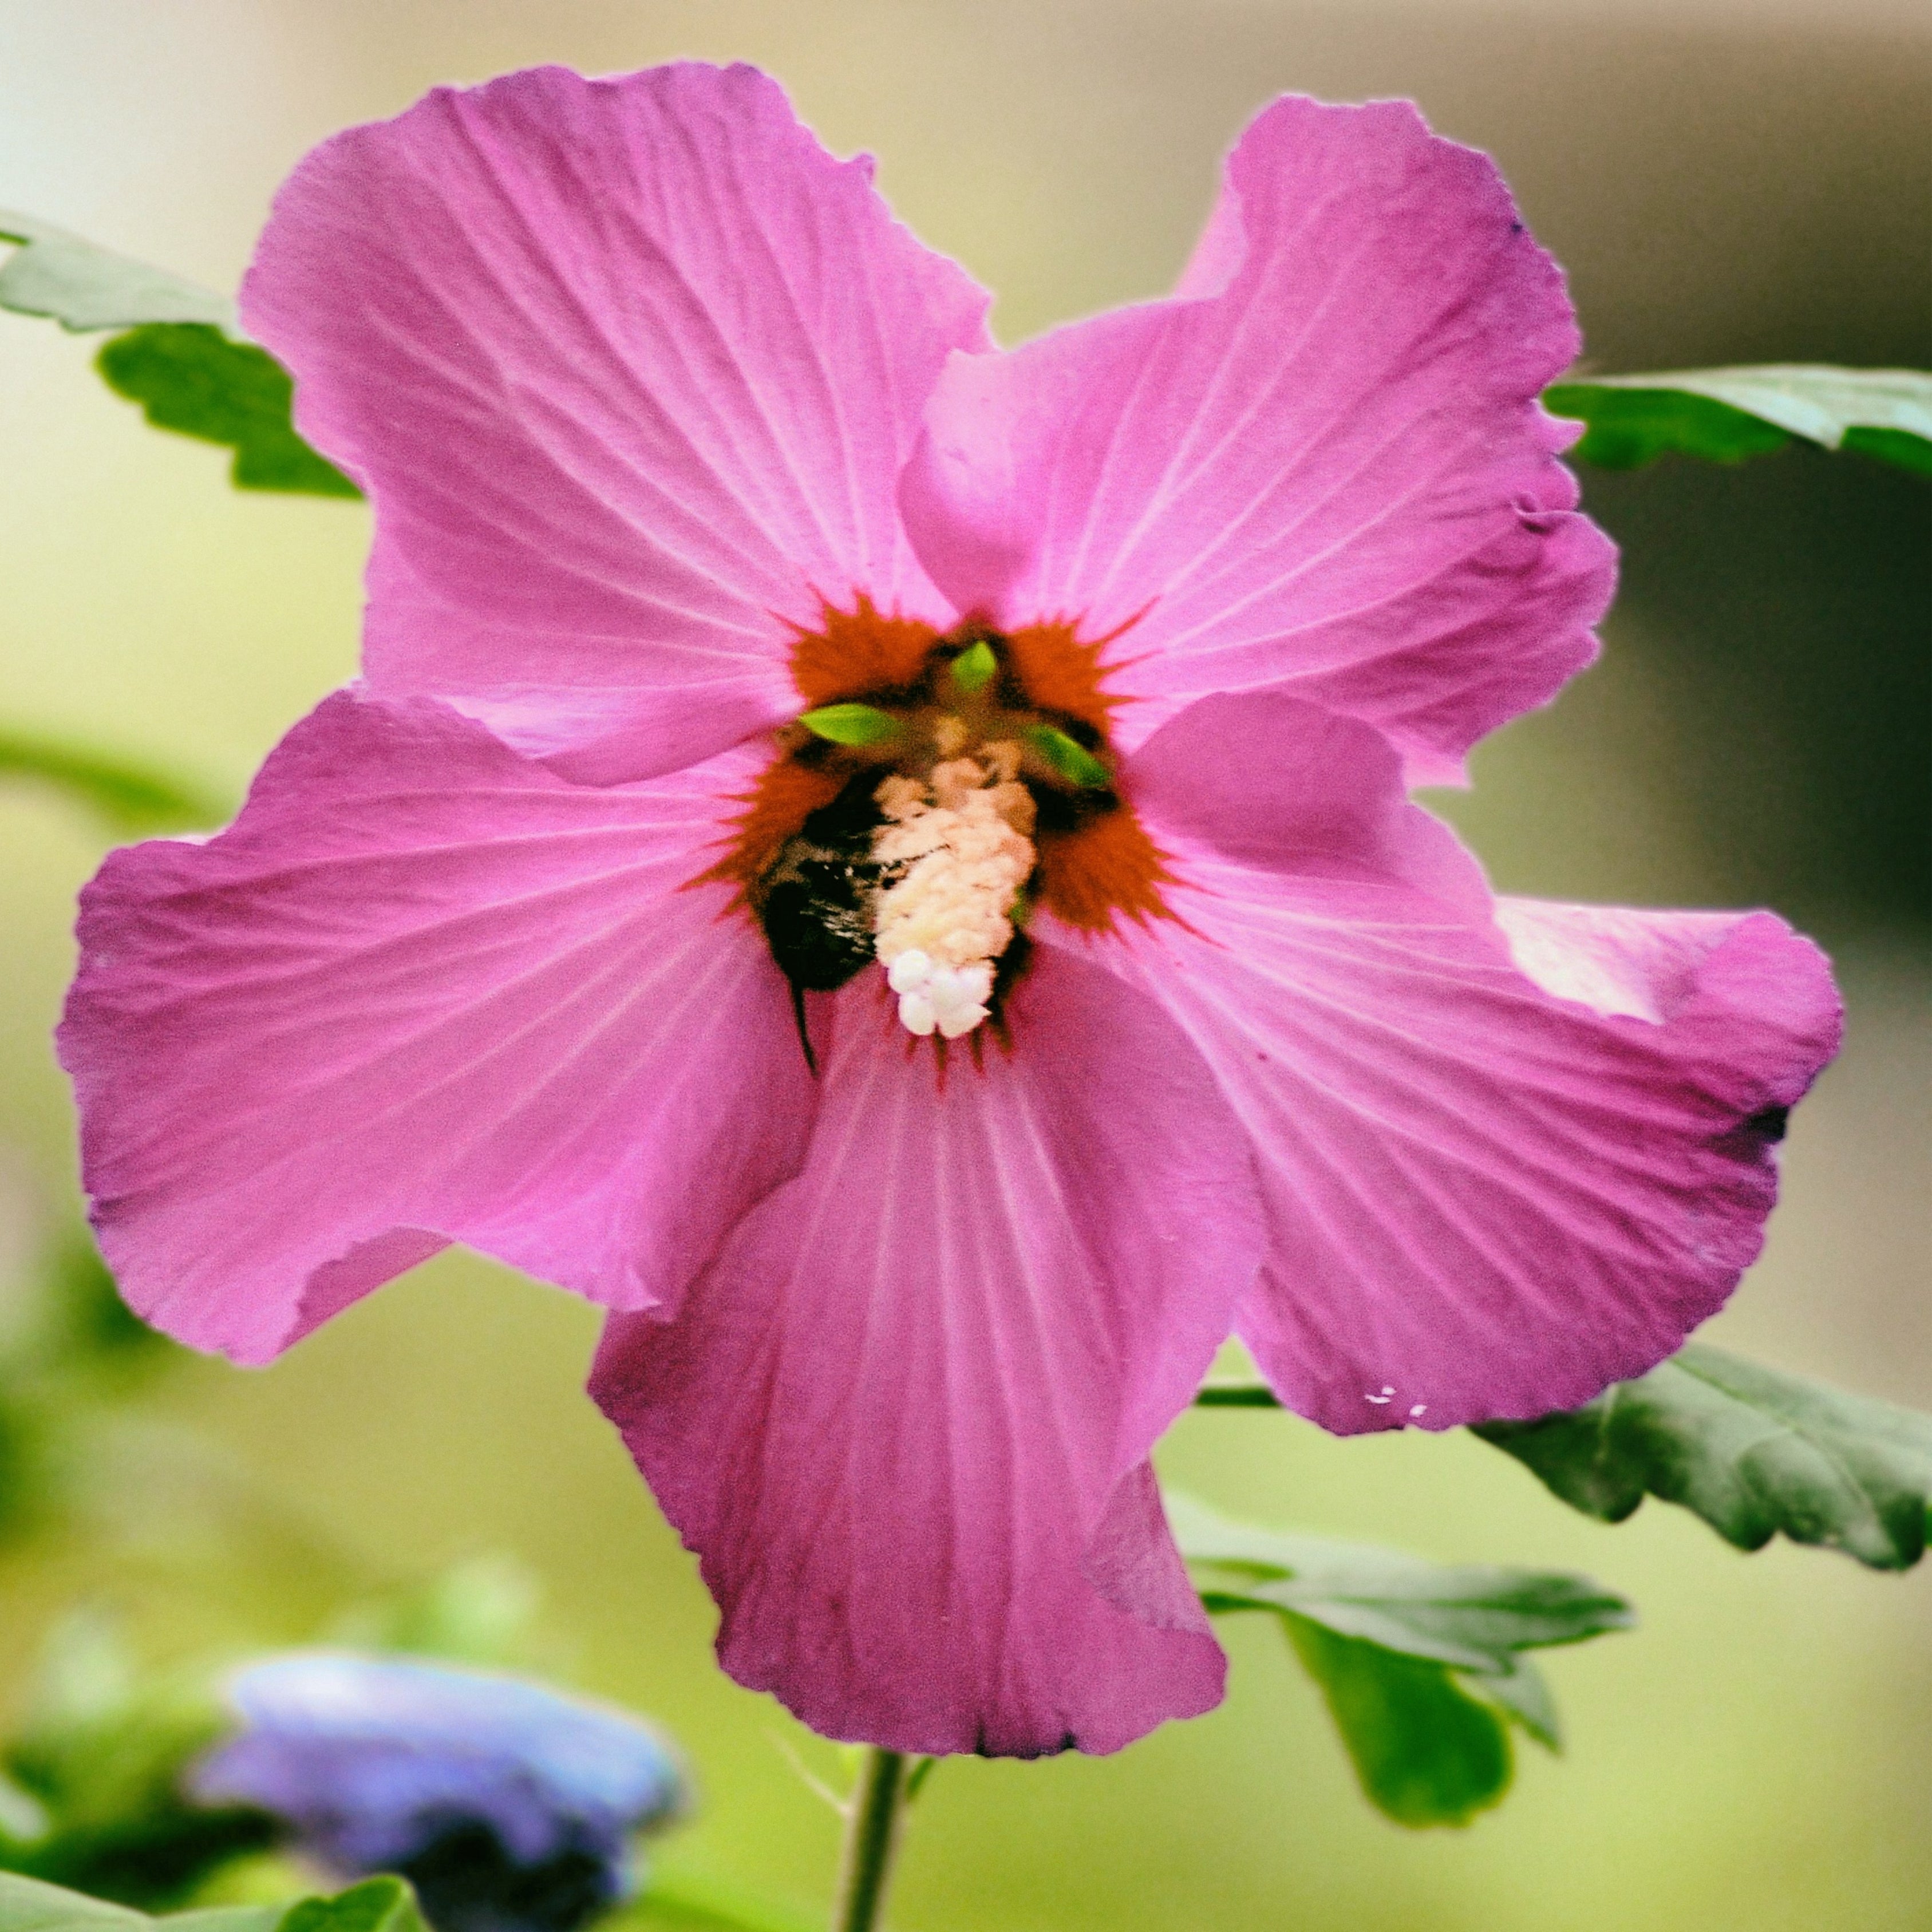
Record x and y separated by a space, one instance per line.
937 789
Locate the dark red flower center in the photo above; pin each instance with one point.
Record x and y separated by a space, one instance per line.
935 789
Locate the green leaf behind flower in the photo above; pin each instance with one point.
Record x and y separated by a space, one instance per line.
1752 1451
376 1905
1420 1663
229 1918
1236 1395
27 1905
1426 1752
191 378
682 1903
84 287
183 358
1726 415
130 796
1472 1616
30 1905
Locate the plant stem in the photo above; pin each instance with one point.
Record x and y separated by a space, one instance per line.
871 1837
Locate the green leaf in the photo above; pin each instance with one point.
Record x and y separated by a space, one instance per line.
31 1905
191 378
183 358
376 1905
851 724
1523 1692
82 286
1236 1395
154 1862
1426 1752
265 1918
1419 1662
1472 1616
1629 428
1727 415
1752 1451
1070 758
1898 446
974 668
131 797
26 1905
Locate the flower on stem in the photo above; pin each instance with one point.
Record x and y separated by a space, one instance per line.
509 1807
758 659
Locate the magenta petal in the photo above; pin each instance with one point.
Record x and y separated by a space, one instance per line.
1322 464
1496 1184
904 1418
630 368
1270 781
423 991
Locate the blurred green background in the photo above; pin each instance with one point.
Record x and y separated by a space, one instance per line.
1725 181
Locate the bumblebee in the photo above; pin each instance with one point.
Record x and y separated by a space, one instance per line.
815 900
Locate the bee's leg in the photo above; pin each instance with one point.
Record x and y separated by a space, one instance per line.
804 1035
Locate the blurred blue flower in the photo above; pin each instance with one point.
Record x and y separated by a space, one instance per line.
509 1807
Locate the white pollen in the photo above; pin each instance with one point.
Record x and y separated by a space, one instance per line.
949 988
909 971
1420 1408
957 850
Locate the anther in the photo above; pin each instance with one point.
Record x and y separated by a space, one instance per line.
956 851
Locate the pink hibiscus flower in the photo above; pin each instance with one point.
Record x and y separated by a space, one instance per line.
1144 1007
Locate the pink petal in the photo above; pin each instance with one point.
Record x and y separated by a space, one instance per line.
630 367
1495 1187
423 991
904 1419
1322 464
